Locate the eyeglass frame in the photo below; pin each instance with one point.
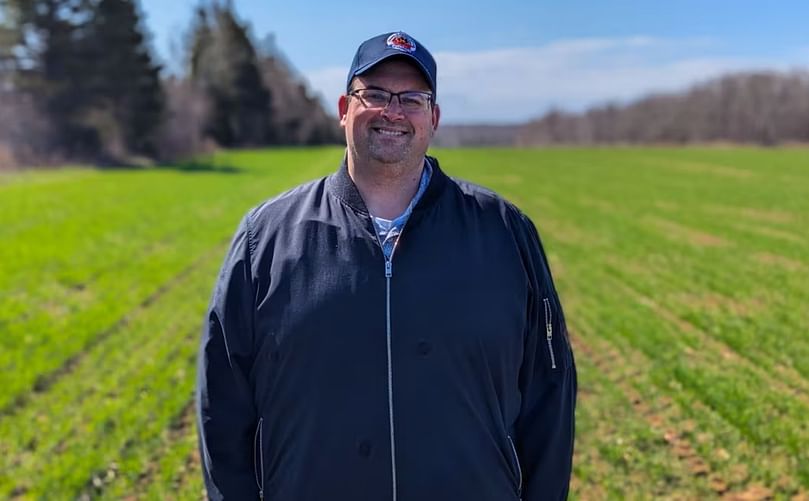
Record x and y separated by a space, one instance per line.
391 95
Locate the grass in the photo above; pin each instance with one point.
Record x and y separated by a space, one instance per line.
682 271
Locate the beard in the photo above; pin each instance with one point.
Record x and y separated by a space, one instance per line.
386 147
388 152
394 142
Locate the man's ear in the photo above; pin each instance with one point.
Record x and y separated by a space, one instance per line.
436 116
342 109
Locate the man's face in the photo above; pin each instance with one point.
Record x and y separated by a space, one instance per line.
390 134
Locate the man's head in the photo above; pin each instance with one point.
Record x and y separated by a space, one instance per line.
393 45
389 111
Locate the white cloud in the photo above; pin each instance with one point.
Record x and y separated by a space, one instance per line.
517 84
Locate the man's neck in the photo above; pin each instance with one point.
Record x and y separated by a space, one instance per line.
386 189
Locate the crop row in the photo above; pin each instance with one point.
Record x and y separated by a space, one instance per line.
130 387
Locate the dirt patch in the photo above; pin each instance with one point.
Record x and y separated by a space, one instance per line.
680 232
726 171
773 233
631 267
565 233
713 169
64 300
667 206
767 258
773 216
754 492
597 204
716 303
501 179
510 179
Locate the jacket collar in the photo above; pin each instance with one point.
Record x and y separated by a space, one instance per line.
342 186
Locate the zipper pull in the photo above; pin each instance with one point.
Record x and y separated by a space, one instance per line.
388 268
549 332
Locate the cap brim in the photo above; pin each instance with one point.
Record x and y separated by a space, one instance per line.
424 71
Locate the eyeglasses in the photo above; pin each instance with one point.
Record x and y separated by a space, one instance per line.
410 101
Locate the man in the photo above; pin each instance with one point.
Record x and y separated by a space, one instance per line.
386 333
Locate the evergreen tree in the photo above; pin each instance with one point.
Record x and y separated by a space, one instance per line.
48 62
223 63
122 77
86 65
7 42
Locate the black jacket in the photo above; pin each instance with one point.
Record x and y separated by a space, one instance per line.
318 358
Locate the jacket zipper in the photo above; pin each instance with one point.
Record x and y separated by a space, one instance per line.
549 332
258 466
388 275
388 338
517 462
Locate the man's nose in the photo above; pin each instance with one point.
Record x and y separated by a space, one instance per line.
393 109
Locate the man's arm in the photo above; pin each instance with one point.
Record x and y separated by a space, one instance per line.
226 414
545 427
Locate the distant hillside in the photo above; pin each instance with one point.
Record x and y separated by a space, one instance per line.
764 108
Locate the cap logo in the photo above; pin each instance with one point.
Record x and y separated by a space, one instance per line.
402 42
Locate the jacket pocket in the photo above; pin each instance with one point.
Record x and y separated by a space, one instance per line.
517 466
258 457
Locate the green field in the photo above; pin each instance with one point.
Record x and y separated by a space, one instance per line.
684 275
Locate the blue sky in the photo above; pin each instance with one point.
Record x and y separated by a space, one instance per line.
508 61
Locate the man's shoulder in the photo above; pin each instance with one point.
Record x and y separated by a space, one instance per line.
277 209
486 198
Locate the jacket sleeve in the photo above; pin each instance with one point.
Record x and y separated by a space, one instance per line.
545 427
226 414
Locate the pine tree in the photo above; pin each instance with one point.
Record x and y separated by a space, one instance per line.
8 40
223 63
48 64
122 76
86 65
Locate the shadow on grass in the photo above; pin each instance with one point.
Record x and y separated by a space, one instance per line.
189 166
201 166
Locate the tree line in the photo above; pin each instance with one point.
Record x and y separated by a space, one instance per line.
79 82
764 108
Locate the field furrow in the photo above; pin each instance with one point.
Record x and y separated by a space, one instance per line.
713 445
148 365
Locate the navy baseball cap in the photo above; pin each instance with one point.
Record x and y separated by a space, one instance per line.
397 44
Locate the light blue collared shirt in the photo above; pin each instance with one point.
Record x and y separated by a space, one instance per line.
389 230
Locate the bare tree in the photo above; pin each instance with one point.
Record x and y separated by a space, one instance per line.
756 107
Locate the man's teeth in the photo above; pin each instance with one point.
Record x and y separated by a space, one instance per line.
390 132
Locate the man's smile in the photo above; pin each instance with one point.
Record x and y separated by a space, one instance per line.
389 131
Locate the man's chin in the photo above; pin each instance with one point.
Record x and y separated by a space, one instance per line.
388 156
388 160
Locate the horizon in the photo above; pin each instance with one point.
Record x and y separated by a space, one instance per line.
567 57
